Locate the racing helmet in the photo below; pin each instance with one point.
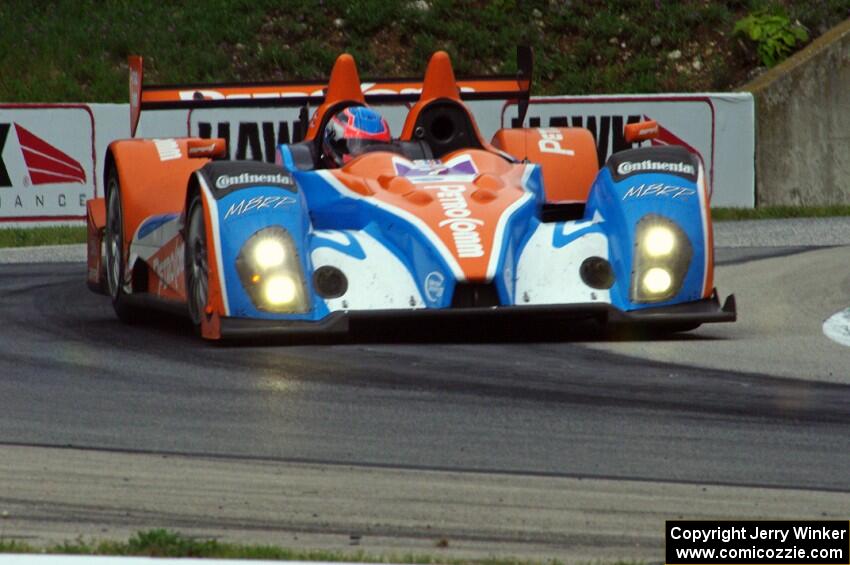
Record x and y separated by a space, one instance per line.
353 131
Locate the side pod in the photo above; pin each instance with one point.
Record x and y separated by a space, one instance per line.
567 156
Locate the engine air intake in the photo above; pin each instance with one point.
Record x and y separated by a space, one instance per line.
472 295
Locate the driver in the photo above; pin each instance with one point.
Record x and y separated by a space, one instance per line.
352 131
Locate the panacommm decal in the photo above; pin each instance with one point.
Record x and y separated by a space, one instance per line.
464 228
550 142
170 268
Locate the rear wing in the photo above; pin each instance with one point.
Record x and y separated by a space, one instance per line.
306 93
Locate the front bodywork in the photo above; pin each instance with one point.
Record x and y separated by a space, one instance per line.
461 237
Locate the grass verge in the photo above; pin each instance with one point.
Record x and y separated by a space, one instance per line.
778 212
62 235
166 543
56 235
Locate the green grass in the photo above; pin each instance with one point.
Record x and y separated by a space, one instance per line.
779 212
26 237
76 50
165 543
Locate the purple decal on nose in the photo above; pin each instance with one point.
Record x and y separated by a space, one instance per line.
424 168
463 168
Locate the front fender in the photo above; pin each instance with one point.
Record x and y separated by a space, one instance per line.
242 198
665 184
153 175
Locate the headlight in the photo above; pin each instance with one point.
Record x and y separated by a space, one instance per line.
271 273
657 281
662 256
269 253
659 241
280 290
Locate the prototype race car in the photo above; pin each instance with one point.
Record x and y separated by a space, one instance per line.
437 223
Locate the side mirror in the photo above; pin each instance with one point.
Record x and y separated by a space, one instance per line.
641 131
198 148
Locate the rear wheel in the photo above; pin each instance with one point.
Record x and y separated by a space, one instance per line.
115 259
196 262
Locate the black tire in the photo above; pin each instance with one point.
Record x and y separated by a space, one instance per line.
196 264
114 240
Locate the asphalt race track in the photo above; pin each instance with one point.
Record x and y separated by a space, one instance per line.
508 443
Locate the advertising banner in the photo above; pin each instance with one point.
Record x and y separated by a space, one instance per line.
47 162
51 155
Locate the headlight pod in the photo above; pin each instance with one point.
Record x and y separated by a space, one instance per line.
662 256
269 269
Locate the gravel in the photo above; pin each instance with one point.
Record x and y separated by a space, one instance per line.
805 232
44 254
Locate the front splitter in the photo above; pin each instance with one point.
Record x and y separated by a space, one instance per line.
339 323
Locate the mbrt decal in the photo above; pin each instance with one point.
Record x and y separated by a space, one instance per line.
658 189
257 203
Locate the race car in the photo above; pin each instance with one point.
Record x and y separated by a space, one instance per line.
436 224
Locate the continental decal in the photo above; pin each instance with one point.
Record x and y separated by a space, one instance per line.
229 176
276 179
650 166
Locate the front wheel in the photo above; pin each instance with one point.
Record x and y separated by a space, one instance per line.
115 260
196 262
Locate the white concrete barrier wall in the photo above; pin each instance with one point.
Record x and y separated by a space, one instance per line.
51 155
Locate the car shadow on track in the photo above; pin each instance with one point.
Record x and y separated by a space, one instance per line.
579 331
574 331
170 326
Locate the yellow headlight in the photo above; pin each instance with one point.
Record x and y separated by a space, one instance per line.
269 253
280 290
659 241
657 280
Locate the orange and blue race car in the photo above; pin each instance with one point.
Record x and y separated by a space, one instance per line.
352 225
